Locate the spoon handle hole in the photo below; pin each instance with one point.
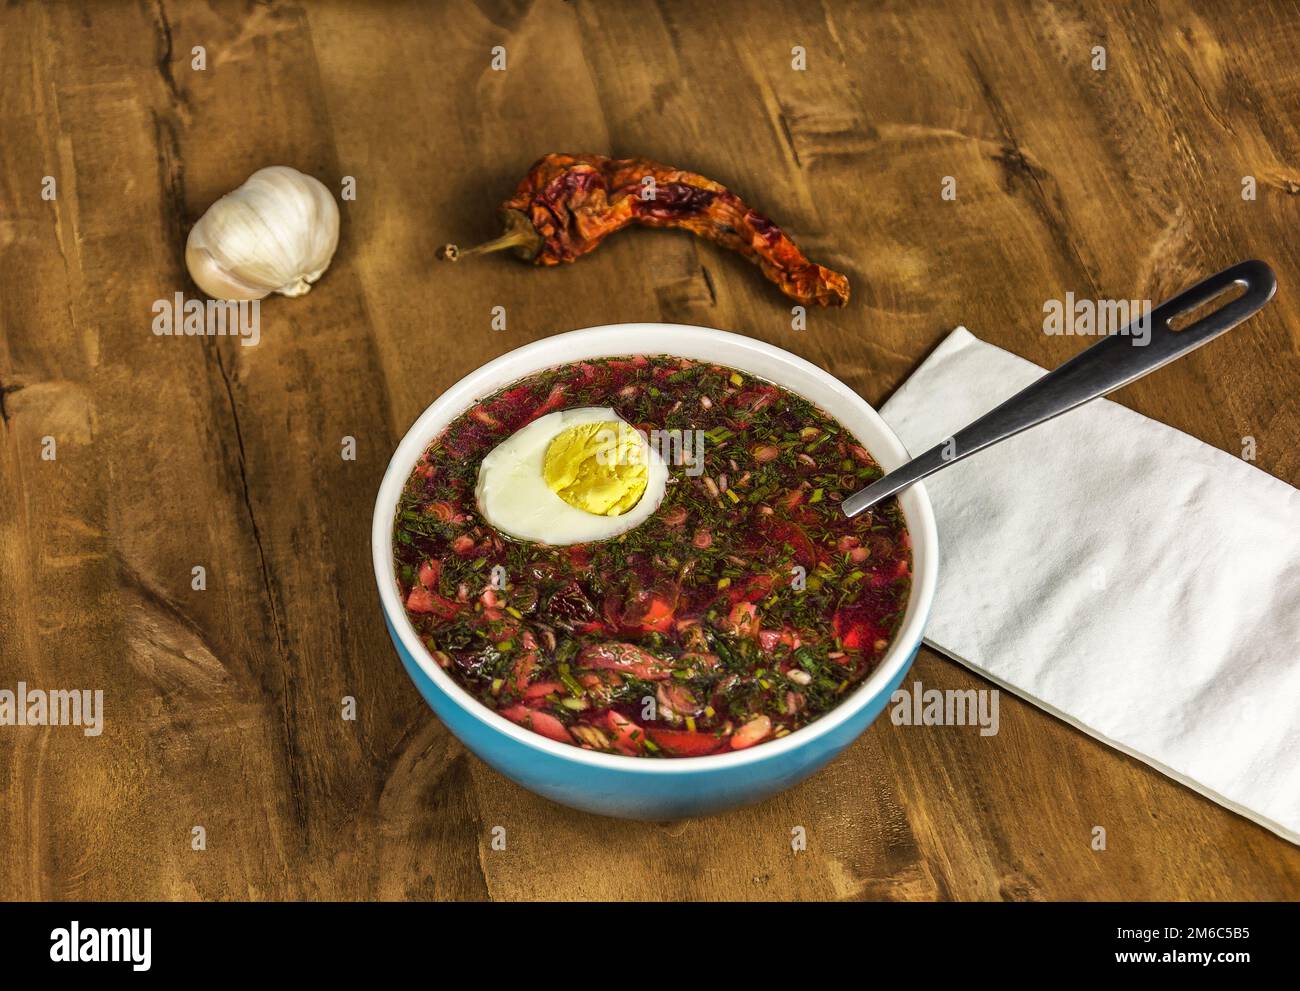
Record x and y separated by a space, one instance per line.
1183 320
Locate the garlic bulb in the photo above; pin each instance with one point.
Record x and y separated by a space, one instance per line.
275 233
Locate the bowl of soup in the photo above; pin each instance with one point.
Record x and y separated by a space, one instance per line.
614 564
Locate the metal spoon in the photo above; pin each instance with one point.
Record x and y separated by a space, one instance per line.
1114 361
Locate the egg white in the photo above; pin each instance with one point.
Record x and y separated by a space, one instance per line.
513 495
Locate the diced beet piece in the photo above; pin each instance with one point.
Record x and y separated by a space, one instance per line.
628 736
625 657
539 722
743 619
543 689
650 611
429 572
424 602
684 743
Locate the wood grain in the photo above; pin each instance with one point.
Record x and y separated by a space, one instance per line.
223 706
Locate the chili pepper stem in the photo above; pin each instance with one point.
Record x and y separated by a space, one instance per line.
451 253
520 235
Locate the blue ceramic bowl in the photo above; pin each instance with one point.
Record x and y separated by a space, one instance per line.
636 787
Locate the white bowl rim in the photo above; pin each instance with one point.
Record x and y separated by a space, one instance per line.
618 340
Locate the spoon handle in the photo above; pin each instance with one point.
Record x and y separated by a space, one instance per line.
1144 345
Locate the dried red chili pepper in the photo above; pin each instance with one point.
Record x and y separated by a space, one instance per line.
568 204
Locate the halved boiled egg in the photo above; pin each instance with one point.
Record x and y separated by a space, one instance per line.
571 477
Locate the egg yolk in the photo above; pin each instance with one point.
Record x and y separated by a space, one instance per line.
597 467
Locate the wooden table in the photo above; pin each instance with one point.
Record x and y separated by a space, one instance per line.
223 706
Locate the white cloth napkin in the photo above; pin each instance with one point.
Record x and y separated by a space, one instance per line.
1122 575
